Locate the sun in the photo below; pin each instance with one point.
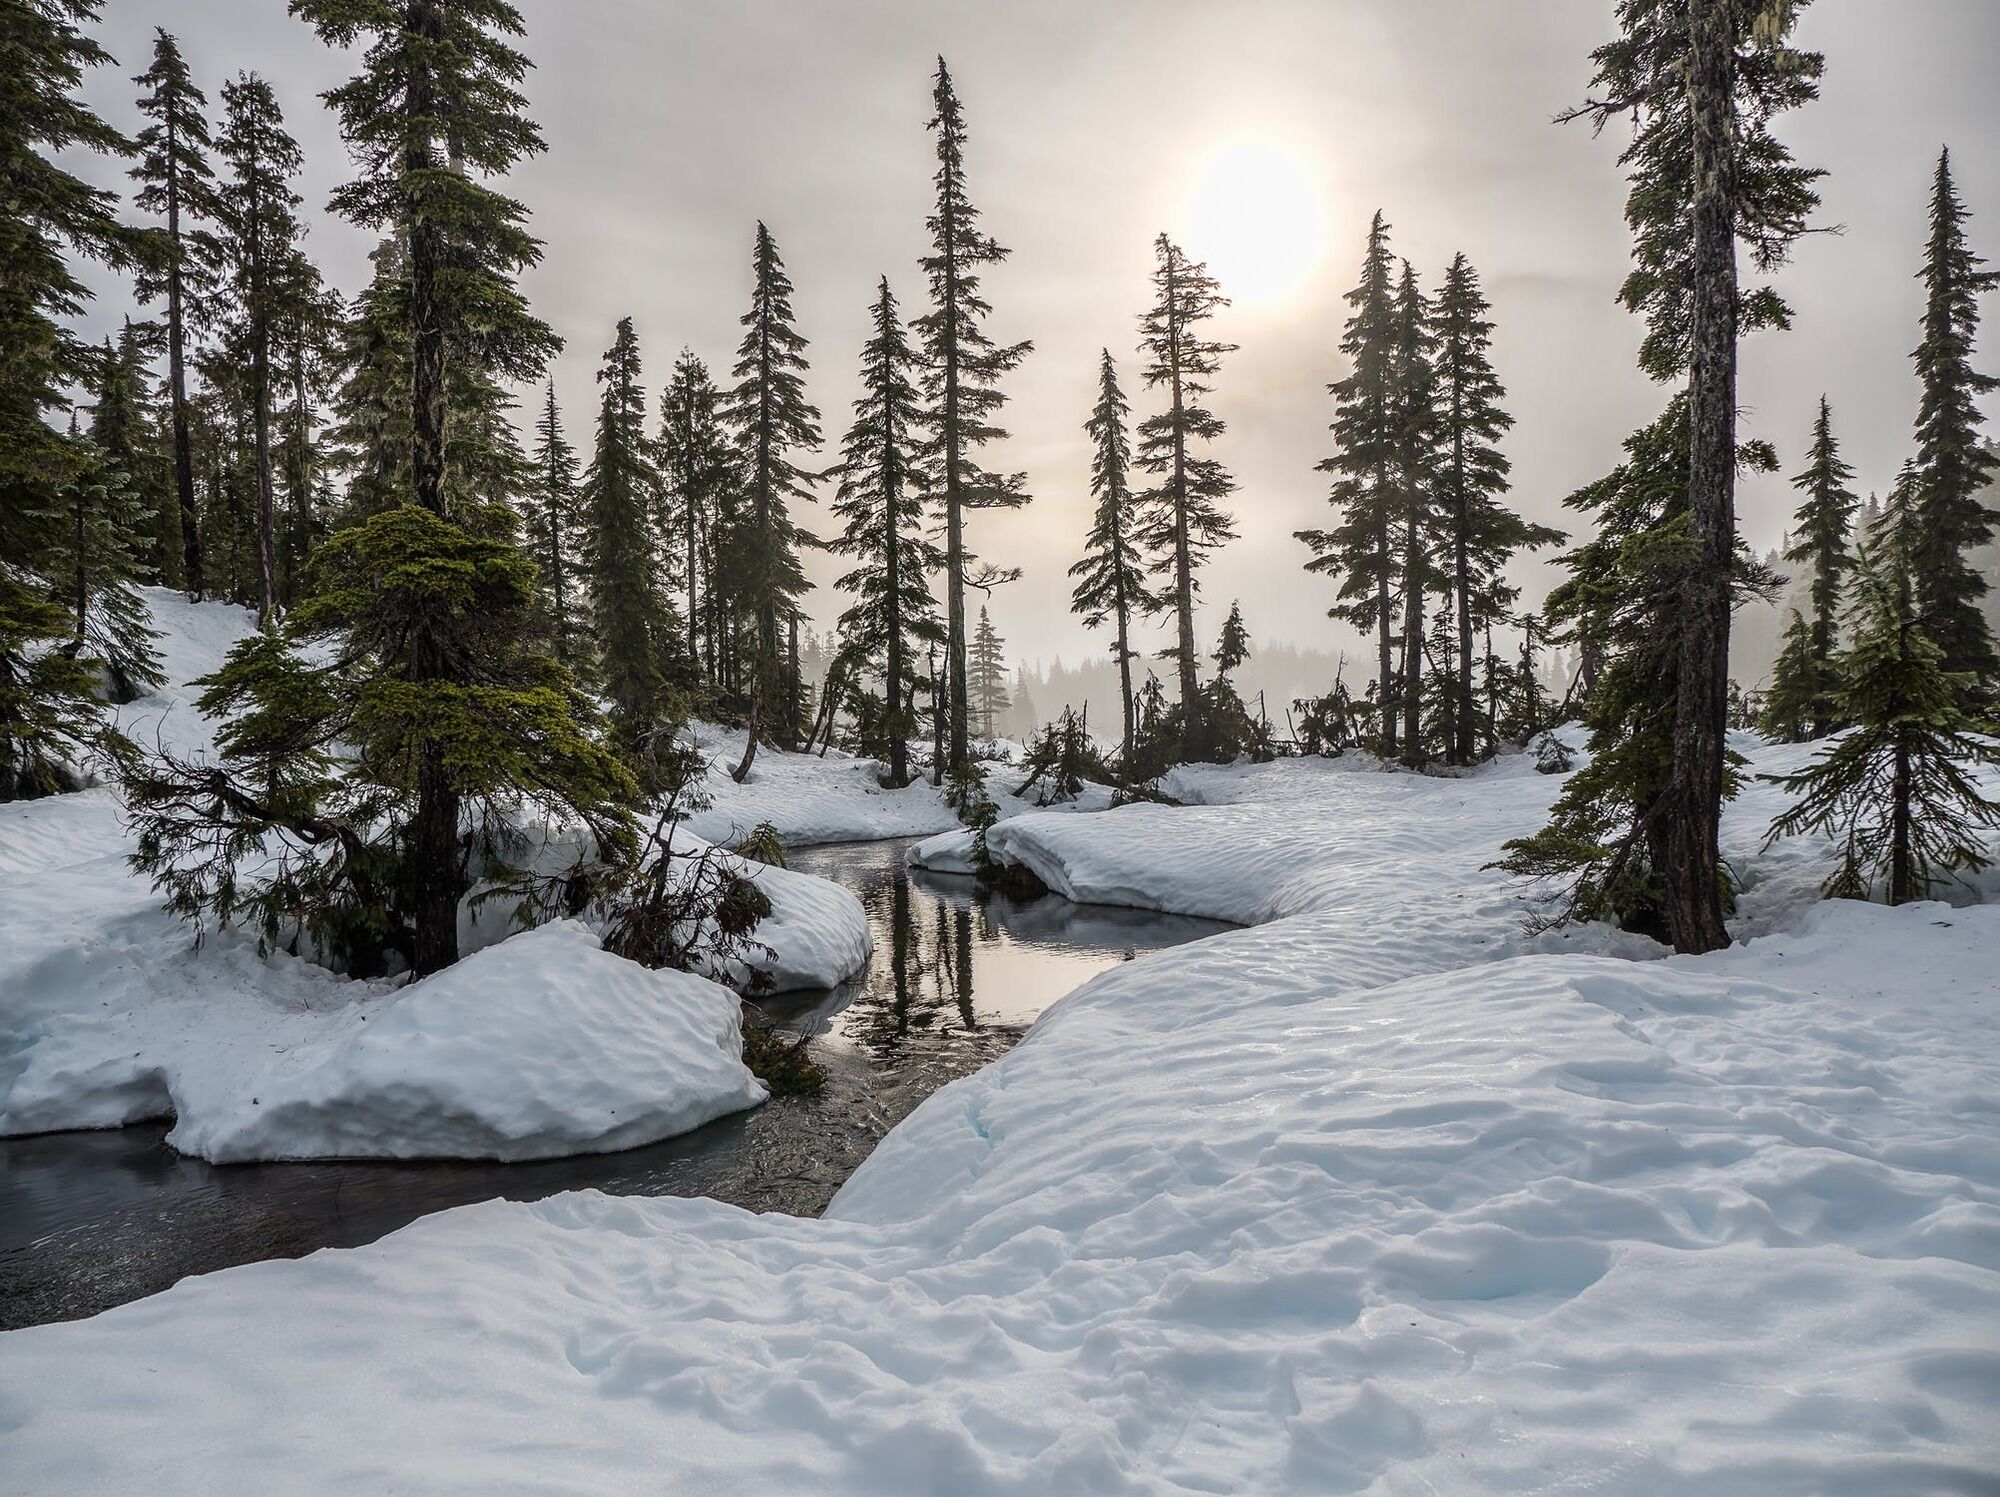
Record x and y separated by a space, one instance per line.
1256 215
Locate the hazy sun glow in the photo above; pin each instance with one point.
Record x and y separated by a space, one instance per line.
1257 217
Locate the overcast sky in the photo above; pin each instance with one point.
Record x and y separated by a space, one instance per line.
673 125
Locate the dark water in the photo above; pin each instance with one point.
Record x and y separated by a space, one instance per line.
90 1220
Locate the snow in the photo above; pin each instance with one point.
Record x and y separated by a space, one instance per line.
1381 1196
541 1044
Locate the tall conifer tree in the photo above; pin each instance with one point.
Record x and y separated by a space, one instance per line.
1184 520
1111 577
987 677
176 183
1805 670
1953 466
882 500
555 527
1419 531
962 386
773 423
695 461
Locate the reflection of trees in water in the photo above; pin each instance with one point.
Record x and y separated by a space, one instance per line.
927 985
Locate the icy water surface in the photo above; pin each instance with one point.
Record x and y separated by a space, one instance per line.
90 1220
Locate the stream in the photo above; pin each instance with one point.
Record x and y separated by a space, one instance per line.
91 1220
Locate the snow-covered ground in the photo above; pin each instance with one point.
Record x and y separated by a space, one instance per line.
541 1044
1381 1196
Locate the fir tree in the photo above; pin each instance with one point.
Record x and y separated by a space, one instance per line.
1418 523
987 677
1897 791
433 117
1801 703
772 421
555 528
258 213
695 462
1953 466
1360 550
127 432
1484 533
1111 577
962 386
97 522
636 634
47 719
882 500
1183 519
176 184
1702 82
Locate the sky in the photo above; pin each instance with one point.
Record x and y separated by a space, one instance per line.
1262 135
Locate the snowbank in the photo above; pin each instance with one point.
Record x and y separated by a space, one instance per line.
1362 1200
110 1014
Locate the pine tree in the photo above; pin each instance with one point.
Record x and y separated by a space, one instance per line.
1702 81
772 420
260 230
1801 703
1111 577
48 720
962 386
1897 791
1952 520
882 499
1182 516
555 525
1418 522
433 117
636 635
176 183
1484 533
1360 550
695 462
987 677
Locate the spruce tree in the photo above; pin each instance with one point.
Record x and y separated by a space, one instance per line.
1801 703
695 461
1359 551
773 421
554 523
987 677
1111 577
883 494
1182 516
1484 533
1702 80
1897 791
177 185
1952 519
260 230
962 387
434 116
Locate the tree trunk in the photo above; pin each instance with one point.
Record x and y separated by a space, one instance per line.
742 770
177 373
1413 636
1694 809
1902 872
892 568
957 707
1192 738
1462 744
1125 682
260 417
427 351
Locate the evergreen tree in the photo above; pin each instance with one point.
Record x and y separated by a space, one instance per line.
176 184
96 525
882 500
1418 522
1702 81
433 117
1897 791
695 462
987 677
772 420
1182 515
555 528
258 214
636 634
1952 520
127 432
1232 647
1484 533
1360 550
1804 683
962 386
1111 577
47 717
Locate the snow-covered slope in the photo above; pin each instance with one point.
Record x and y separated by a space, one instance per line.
109 1013
1362 1200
